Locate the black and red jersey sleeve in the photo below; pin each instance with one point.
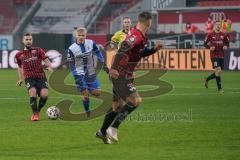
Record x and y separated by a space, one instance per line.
133 40
17 59
226 40
207 41
121 58
42 54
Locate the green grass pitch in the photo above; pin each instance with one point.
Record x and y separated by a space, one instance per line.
189 123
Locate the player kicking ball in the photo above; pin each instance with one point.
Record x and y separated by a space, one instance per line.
30 69
217 42
132 49
81 63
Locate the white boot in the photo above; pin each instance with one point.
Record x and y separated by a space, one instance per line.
112 133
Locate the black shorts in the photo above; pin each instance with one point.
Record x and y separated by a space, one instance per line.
122 88
37 83
217 62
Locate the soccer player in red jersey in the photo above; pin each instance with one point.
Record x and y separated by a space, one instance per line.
132 49
217 42
30 69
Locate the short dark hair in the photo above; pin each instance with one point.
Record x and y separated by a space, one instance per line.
27 34
144 16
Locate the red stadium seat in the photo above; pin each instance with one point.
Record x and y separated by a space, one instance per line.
9 17
218 3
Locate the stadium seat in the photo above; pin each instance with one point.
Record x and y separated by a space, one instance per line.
218 3
62 16
9 15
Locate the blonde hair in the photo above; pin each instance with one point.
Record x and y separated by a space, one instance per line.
81 29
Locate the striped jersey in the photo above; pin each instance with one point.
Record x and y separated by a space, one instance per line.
31 62
81 57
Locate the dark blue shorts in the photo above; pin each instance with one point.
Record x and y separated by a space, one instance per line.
86 82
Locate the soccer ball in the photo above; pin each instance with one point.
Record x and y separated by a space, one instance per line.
53 112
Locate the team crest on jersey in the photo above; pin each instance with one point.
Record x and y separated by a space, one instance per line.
34 51
132 39
68 55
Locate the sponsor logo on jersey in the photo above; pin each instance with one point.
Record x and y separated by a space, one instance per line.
30 59
34 51
132 39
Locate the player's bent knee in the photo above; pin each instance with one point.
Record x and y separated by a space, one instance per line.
136 101
139 101
32 92
218 72
44 93
96 92
117 106
85 94
85 97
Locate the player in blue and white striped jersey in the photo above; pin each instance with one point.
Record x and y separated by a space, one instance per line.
81 63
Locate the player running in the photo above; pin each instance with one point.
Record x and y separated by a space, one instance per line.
217 42
81 63
30 69
132 49
117 39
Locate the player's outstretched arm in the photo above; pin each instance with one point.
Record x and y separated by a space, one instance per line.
155 49
98 53
226 42
120 60
48 64
71 62
120 55
21 76
158 46
207 42
45 59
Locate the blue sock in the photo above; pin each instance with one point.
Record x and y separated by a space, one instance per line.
86 104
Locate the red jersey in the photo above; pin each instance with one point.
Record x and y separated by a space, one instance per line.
217 40
31 62
132 49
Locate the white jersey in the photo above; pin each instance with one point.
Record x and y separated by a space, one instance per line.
81 57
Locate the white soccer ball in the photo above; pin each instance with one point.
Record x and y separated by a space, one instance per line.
53 112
